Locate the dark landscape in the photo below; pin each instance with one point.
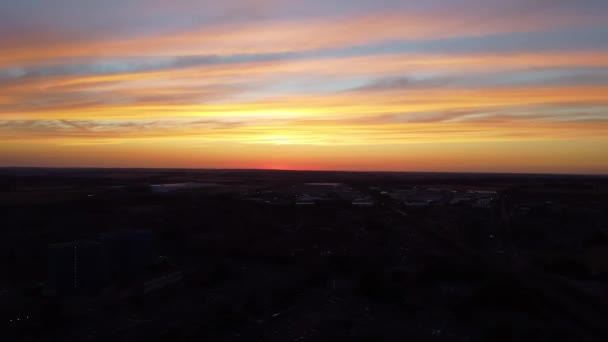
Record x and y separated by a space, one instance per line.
261 255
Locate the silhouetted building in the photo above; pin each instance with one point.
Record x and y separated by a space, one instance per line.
76 267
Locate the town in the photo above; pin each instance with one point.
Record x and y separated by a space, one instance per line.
237 255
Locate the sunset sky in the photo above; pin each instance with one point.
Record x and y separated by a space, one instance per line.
396 85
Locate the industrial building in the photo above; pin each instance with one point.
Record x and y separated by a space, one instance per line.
76 267
85 267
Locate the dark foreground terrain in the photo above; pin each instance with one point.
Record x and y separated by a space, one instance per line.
212 255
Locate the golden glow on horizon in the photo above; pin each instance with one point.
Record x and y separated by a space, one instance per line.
353 103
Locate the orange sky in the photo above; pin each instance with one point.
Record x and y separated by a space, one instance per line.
403 86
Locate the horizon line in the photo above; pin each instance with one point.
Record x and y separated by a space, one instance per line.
303 170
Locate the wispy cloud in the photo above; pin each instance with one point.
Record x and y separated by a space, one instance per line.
280 36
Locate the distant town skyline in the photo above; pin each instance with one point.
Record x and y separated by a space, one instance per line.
361 85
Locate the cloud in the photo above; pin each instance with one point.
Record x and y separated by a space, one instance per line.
74 124
283 35
128 65
531 76
500 124
403 83
243 66
204 85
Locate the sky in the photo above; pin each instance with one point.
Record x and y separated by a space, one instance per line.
369 85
